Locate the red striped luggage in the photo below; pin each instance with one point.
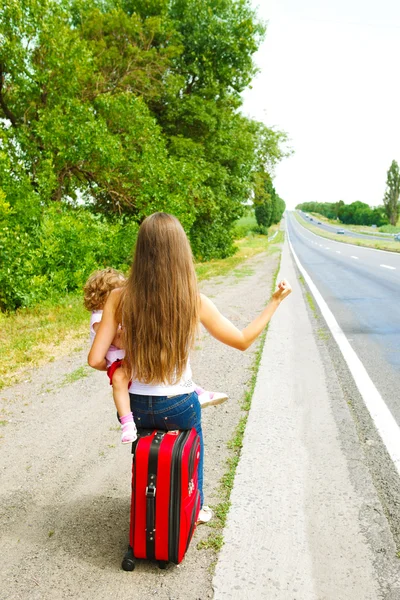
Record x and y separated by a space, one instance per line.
165 497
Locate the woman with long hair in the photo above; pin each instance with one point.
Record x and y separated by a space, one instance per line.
160 308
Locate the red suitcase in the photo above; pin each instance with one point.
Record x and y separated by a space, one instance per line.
165 496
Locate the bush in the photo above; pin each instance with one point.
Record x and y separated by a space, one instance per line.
248 225
390 228
244 226
263 215
57 253
356 213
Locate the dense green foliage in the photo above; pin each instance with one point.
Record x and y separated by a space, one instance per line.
356 213
120 108
391 197
269 207
248 226
58 254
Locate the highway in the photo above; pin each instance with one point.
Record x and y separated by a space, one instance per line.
334 229
362 288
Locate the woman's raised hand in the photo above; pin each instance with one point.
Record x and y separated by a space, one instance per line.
283 290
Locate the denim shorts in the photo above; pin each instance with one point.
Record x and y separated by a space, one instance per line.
161 412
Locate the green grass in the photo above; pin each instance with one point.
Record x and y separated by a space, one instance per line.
32 337
379 244
311 303
245 225
390 228
322 334
246 248
76 375
309 297
243 272
215 540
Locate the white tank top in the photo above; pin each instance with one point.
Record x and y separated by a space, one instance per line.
184 386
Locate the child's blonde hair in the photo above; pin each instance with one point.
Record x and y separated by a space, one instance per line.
99 285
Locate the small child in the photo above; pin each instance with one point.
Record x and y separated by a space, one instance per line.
96 291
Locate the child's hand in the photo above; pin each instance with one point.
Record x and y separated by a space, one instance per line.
282 291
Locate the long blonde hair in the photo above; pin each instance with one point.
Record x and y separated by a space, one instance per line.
160 303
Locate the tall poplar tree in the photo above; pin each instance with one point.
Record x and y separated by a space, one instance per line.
391 197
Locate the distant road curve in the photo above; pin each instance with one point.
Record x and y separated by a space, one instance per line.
333 229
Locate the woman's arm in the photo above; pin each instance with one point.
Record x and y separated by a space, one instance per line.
223 330
105 334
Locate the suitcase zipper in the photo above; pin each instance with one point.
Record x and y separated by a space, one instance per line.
193 522
192 458
175 496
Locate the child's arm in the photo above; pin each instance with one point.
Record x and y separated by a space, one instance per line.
223 330
105 334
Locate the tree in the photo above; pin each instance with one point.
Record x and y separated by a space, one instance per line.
133 105
269 207
391 197
79 120
356 213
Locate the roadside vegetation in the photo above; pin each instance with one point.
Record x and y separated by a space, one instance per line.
356 213
379 244
359 228
30 337
135 109
385 216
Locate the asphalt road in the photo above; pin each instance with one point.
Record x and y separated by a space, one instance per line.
334 229
362 288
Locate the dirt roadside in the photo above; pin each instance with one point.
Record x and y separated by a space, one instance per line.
65 477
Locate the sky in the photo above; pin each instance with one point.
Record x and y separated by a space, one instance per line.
330 77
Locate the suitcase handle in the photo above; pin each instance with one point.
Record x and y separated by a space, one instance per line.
150 511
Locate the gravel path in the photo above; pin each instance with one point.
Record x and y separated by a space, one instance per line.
65 478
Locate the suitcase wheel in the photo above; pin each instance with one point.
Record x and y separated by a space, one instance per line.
162 564
128 562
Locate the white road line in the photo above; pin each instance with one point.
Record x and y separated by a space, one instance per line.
337 251
327 248
355 257
387 267
380 413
